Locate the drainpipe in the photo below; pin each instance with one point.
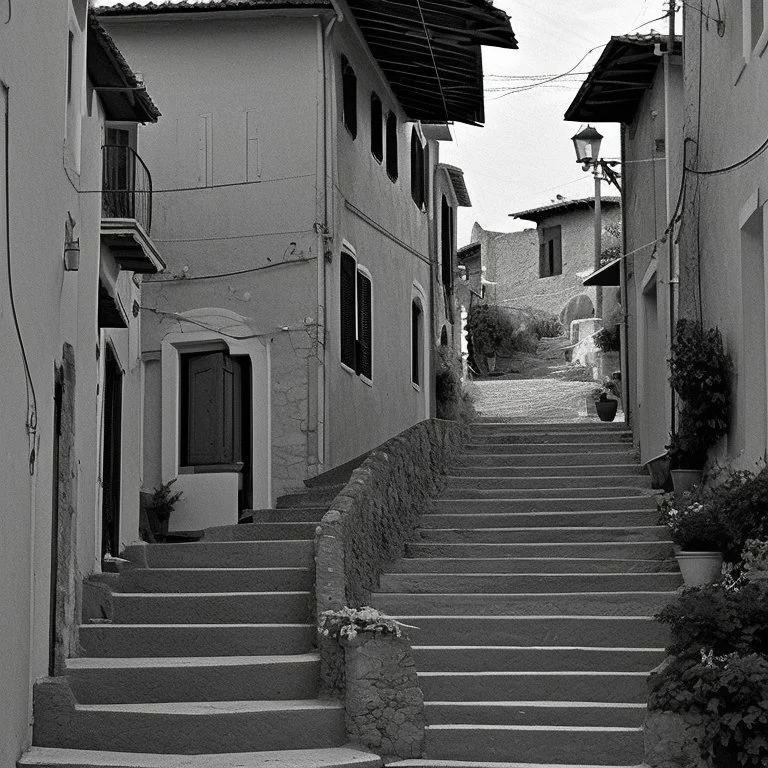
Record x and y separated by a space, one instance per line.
624 328
672 272
324 210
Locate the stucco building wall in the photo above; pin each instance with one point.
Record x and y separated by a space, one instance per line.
722 243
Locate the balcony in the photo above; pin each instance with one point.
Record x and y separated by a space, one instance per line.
126 210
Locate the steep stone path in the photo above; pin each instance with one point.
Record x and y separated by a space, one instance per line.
207 660
533 580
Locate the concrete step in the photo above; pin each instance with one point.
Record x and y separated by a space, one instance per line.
494 764
581 631
338 757
595 462
563 503
628 687
479 491
595 518
511 466
523 604
474 583
319 496
540 437
262 531
635 481
216 580
282 515
204 678
579 450
537 565
211 608
547 712
584 745
529 534
497 422
178 640
185 727
505 658
212 554
628 550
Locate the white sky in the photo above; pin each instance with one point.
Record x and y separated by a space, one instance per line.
523 156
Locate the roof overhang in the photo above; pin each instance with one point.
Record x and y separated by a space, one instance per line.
429 50
564 206
122 93
468 251
623 73
609 274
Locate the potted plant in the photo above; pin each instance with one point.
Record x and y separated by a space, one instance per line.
488 328
700 374
159 507
607 398
697 529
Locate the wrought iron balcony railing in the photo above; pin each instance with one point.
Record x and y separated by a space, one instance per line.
126 186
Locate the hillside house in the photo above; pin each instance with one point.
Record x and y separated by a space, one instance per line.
309 229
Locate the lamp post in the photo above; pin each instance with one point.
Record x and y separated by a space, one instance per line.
587 143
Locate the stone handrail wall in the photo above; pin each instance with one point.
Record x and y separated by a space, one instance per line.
365 528
370 520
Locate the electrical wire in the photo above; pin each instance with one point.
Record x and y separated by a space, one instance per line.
185 279
30 386
230 237
733 166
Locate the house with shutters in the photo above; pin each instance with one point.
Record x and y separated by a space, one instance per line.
544 268
308 226
638 83
75 239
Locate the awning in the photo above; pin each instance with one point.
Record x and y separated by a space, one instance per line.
610 274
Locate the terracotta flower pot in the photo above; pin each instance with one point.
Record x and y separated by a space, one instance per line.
699 568
606 409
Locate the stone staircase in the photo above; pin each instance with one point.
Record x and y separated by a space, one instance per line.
206 659
532 581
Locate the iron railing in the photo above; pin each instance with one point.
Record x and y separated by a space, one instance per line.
126 186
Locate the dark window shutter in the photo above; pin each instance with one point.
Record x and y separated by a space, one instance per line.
213 410
557 247
349 95
415 343
348 330
417 169
364 330
543 259
392 162
377 128
446 244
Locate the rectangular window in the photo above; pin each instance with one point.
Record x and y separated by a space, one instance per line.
349 95
356 311
550 252
392 162
446 244
416 332
377 128
70 62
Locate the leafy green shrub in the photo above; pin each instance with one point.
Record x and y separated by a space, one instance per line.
730 695
453 401
701 376
608 339
488 326
162 501
695 527
543 324
742 501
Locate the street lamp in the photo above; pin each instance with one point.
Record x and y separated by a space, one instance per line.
587 143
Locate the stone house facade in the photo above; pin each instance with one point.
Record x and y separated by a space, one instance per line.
310 237
544 268
75 239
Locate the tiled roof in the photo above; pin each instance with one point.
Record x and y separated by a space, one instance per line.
617 82
124 95
564 206
428 50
